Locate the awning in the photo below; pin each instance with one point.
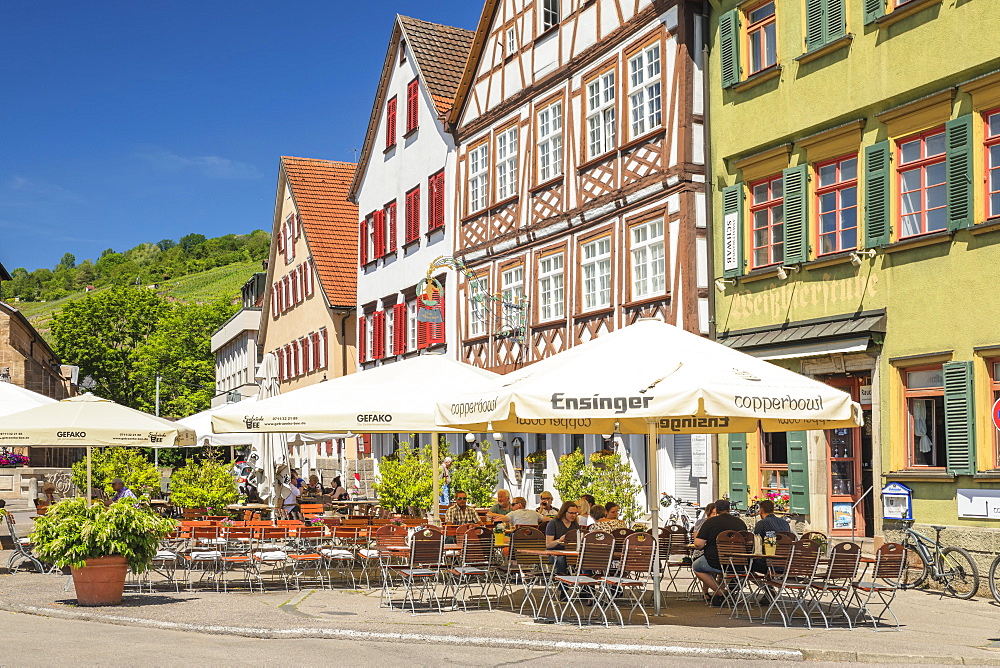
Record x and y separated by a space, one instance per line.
809 338
812 349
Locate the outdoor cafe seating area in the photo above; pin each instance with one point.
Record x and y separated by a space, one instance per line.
600 578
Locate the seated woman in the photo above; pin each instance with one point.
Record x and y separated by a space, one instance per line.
609 521
339 493
313 488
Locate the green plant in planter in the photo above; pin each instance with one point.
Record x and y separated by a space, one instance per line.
71 533
405 479
475 473
574 476
203 484
129 464
612 481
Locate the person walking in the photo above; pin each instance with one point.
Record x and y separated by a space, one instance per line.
445 477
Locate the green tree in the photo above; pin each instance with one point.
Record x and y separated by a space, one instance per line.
405 480
612 481
101 334
207 483
574 477
190 241
475 472
166 244
129 464
68 260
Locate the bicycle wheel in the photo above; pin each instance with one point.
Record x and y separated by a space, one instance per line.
915 571
995 579
959 572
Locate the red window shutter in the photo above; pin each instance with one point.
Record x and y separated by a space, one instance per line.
391 223
390 123
437 201
362 353
280 354
412 215
378 335
435 333
284 294
378 221
308 271
290 238
281 239
315 350
298 225
411 106
289 368
399 329
363 242
307 362
322 348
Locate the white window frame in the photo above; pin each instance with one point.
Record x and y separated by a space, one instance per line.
595 267
512 284
549 14
511 41
645 98
647 252
550 142
477 310
551 287
601 130
507 163
411 324
479 167
390 329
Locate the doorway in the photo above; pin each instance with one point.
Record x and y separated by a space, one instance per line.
849 453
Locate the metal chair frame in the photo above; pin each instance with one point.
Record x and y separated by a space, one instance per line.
634 577
890 560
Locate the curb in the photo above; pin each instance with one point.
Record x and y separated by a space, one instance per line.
731 653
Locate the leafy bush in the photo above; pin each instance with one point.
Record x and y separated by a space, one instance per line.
609 480
572 480
71 532
406 479
475 473
129 464
207 483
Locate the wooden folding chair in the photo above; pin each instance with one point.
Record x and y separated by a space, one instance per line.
634 576
890 560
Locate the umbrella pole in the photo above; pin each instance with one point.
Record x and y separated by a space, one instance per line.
89 485
654 511
436 498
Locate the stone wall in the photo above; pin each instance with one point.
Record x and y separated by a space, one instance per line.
344 467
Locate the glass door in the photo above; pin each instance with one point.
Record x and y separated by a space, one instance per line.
844 452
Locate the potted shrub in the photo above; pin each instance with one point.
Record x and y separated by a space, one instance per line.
100 544
9 460
208 485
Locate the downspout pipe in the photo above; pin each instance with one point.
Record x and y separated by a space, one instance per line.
343 339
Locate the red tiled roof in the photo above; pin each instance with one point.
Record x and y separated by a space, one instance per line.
329 222
441 52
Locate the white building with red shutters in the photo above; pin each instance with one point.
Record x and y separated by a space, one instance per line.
404 191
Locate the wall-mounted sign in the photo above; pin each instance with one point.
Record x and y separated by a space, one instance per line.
699 456
731 251
897 502
843 515
979 504
865 398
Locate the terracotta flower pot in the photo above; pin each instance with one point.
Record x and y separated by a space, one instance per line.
101 581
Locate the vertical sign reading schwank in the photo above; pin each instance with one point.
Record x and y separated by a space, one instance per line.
731 251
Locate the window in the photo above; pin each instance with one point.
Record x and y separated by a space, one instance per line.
435 201
550 142
774 462
478 170
922 198
767 216
993 164
644 90
601 114
511 41
390 218
512 282
837 205
551 293
550 14
289 232
412 92
597 273
390 123
390 332
924 392
507 163
648 262
411 325
762 38
478 306
370 337
413 215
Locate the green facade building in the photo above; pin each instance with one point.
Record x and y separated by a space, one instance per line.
855 180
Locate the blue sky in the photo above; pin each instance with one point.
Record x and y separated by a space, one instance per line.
126 122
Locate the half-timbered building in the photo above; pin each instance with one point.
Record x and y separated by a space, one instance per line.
580 193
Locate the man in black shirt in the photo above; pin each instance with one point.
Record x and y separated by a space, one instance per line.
707 566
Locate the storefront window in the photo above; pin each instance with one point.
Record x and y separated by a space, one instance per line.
774 462
924 389
841 461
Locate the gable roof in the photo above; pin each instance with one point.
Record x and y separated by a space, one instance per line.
439 54
4 276
329 222
475 54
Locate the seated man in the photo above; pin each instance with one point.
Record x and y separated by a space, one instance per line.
121 492
707 566
522 515
768 525
500 509
461 513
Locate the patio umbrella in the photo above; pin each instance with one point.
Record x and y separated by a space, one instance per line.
14 399
86 421
646 378
393 398
269 451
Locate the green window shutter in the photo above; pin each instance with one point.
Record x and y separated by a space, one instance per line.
798 472
874 10
795 186
834 20
815 24
732 230
877 179
738 468
959 418
958 167
729 47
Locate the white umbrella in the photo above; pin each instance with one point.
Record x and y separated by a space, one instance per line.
86 421
393 398
269 452
14 399
646 378
201 423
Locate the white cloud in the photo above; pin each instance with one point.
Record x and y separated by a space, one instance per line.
212 166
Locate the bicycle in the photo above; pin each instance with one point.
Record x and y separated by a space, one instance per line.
950 566
995 579
677 513
736 511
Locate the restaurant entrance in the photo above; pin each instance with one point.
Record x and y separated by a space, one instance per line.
849 451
